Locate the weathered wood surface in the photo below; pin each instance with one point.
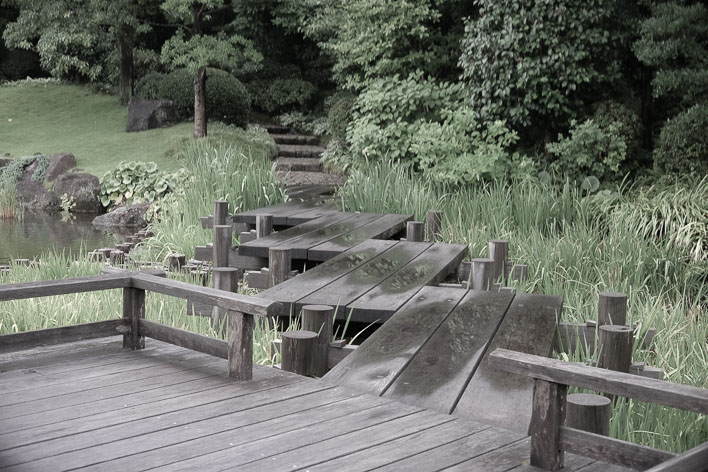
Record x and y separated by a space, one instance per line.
62 287
42 337
684 397
165 408
288 214
186 339
693 460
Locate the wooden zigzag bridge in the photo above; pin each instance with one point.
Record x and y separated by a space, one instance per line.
456 377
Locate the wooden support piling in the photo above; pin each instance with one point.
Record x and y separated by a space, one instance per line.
433 225
615 347
481 275
221 211
264 225
297 351
519 273
612 309
279 264
414 231
588 412
547 416
222 245
225 278
319 319
133 312
176 261
117 257
498 252
240 354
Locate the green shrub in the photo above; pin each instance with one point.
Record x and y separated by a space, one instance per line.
227 98
137 182
628 124
302 123
683 143
339 112
278 95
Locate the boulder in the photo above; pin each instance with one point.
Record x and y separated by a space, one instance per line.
149 114
83 188
128 216
34 196
59 164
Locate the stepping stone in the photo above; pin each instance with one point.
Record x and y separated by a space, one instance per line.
296 150
290 179
307 164
295 139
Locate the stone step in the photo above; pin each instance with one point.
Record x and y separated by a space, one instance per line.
294 164
291 179
295 139
297 150
276 129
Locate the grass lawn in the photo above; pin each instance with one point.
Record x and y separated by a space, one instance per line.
49 118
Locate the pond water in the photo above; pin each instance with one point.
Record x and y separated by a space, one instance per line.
36 233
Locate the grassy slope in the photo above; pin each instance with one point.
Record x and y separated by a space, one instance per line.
50 118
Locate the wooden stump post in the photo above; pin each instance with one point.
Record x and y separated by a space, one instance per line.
547 416
133 312
433 225
588 412
240 355
414 231
612 309
615 347
117 257
264 225
519 273
297 351
221 212
498 252
222 245
176 261
279 266
481 274
225 278
319 319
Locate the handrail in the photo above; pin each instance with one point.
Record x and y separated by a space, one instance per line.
240 308
549 437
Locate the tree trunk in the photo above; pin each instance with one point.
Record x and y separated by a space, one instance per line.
200 118
125 44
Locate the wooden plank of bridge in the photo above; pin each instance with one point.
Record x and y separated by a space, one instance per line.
439 372
383 227
356 283
259 247
282 211
501 398
433 265
292 290
377 362
299 246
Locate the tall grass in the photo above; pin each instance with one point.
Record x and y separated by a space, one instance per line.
647 243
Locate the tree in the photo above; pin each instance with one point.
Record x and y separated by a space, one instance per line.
202 41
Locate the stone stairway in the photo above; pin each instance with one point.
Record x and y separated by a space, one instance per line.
298 166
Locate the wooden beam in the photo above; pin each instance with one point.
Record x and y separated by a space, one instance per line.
611 450
684 397
133 312
64 334
209 296
185 339
693 460
547 416
240 345
48 288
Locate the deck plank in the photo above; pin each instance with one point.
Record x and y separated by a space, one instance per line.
439 372
383 227
292 290
432 266
280 212
343 291
377 362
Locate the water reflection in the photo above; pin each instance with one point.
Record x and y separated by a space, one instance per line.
37 233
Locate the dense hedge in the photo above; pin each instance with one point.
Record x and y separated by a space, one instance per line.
683 143
227 98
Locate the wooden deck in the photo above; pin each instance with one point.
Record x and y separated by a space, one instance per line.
92 405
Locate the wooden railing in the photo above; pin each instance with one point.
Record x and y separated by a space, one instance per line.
241 311
549 438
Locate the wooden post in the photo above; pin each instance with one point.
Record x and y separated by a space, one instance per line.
481 274
433 225
519 273
319 319
615 347
498 251
414 231
589 412
547 416
117 257
225 278
264 225
176 261
297 351
612 309
133 311
240 355
279 264
222 245
221 211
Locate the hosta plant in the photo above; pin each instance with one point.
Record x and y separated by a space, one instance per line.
139 182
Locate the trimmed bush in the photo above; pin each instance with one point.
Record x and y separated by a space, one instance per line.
339 114
683 143
227 98
278 95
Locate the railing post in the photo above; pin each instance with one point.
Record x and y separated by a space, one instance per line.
133 311
498 252
221 212
264 225
548 415
414 231
240 355
612 309
481 274
279 265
